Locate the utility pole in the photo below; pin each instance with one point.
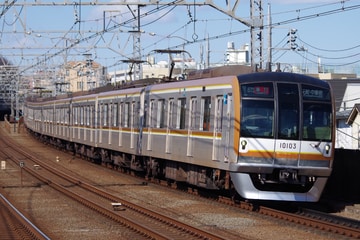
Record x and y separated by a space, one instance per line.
256 28
137 45
269 49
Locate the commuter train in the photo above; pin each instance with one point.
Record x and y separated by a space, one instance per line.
267 135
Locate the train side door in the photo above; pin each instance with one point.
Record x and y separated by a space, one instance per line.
218 114
132 124
169 125
96 119
227 125
142 117
151 121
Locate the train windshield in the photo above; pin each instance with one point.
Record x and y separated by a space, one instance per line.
292 111
257 110
317 113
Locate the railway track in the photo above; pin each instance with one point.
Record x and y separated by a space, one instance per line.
143 223
338 227
314 219
14 225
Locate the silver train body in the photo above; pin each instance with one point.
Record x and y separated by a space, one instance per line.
269 136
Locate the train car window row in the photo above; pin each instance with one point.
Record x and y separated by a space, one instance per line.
195 113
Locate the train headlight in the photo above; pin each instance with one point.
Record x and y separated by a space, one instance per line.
327 148
243 144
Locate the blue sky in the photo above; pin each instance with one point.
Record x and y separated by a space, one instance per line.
325 29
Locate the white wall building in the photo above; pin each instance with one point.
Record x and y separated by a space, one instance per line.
237 56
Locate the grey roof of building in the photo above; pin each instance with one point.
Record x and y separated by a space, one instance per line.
339 88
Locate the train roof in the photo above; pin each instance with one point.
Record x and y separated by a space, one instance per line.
212 76
283 77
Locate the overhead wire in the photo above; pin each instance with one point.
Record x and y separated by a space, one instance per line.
329 64
328 50
219 36
158 8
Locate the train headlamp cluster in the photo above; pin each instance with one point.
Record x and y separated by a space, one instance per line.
327 148
243 144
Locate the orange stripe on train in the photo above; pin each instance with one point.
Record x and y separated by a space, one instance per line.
288 155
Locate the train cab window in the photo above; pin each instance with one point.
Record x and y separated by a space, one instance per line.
257 110
317 113
205 113
317 122
181 111
160 119
288 111
257 118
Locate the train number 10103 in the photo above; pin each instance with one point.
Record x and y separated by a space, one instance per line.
287 145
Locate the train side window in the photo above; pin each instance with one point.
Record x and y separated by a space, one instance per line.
115 114
120 112
57 119
192 117
126 114
151 113
218 113
170 113
181 111
60 111
81 115
145 112
105 114
65 115
108 113
99 116
92 115
205 113
75 115
160 119
110 116
45 113
62 115
86 115
133 115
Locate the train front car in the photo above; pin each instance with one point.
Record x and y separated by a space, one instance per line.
286 137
